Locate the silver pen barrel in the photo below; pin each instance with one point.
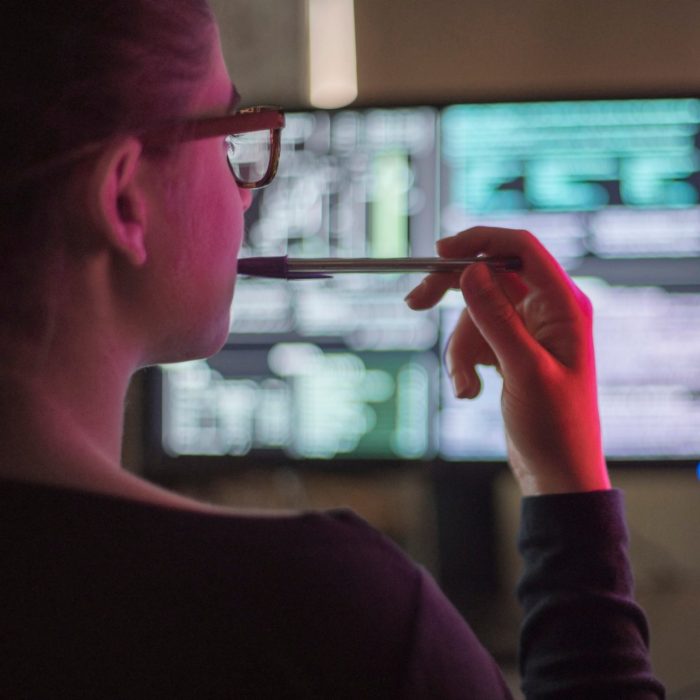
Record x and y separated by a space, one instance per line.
338 265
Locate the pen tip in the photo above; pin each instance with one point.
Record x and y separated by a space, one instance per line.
274 266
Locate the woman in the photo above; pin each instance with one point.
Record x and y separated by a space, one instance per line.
121 223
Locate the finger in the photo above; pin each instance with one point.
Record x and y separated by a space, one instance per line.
513 286
465 350
498 322
540 270
432 289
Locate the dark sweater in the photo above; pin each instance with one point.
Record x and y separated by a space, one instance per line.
104 597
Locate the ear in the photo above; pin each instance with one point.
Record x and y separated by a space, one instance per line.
121 200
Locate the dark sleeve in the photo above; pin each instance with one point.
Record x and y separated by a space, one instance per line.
583 635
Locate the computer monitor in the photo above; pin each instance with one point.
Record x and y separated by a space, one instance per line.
339 372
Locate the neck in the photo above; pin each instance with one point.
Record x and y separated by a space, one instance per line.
54 434
65 369
64 374
61 415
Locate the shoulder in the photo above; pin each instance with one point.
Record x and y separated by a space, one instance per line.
385 610
331 597
317 600
347 561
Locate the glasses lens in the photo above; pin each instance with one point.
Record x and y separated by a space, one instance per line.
249 155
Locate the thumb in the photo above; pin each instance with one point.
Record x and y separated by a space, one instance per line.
497 320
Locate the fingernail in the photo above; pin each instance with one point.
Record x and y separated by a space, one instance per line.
448 364
439 244
461 384
414 293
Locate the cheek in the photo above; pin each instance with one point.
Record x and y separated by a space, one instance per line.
207 222
218 237
222 205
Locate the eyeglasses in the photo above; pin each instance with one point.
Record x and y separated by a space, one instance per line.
252 137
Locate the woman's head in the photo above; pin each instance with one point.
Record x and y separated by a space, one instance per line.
78 72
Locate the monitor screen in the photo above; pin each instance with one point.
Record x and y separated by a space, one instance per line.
340 369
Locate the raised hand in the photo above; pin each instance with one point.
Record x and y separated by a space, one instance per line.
535 327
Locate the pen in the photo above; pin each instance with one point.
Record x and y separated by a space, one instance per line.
282 267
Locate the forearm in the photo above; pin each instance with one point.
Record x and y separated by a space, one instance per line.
583 635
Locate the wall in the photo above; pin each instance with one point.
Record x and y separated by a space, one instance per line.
411 51
264 44
452 49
